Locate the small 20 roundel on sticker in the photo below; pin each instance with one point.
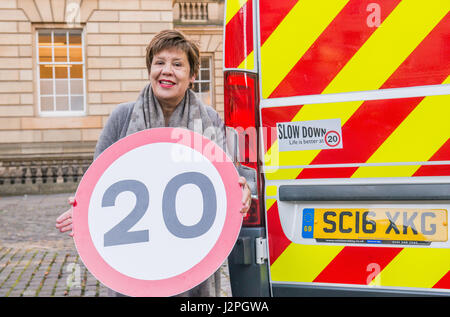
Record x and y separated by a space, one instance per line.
332 138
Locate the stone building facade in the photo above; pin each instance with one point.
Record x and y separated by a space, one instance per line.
65 64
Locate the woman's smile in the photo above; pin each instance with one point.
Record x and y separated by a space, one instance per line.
166 83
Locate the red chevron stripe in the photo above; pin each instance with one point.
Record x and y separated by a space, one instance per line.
375 120
357 265
239 36
444 282
443 154
271 14
433 170
327 172
346 172
343 37
277 239
362 134
429 63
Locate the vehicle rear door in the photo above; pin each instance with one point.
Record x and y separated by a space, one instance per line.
355 153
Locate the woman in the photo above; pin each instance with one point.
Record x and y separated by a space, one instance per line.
172 63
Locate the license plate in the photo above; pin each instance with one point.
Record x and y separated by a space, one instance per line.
375 225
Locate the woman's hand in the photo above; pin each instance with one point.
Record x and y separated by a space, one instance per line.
246 196
64 221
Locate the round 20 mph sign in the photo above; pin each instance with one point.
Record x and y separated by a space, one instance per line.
157 212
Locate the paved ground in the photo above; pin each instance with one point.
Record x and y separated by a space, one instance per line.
37 260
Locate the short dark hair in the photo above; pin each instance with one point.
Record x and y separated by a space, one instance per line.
172 38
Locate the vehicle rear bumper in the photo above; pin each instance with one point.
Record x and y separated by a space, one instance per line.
288 290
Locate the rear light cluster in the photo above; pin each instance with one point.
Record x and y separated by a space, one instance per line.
241 113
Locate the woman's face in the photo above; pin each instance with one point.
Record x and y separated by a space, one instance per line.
170 76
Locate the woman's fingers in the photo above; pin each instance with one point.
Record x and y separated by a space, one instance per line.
246 196
64 222
65 225
242 180
64 216
66 228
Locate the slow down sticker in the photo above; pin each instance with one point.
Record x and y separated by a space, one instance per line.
309 135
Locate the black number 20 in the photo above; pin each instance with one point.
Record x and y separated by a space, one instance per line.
332 138
120 233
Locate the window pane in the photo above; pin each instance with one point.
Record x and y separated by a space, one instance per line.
46 103
60 71
45 38
46 87
75 54
77 103
204 62
59 39
62 103
204 87
61 87
76 71
60 53
204 74
46 71
76 87
74 39
45 54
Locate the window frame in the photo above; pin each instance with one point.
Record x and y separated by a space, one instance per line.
54 112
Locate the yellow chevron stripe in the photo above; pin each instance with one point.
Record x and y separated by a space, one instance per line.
389 45
293 36
248 62
416 139
285 173
271 190
386 171
269 203
415 267
232 8
308 261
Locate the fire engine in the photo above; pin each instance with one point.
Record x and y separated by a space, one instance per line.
341 111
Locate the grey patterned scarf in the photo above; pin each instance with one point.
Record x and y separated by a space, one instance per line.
193 115
190 113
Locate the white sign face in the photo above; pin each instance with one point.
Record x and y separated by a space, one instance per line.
135 256
147 223
309 135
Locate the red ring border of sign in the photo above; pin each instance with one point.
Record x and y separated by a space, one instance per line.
339 136
164 287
